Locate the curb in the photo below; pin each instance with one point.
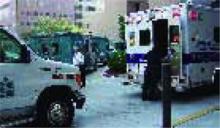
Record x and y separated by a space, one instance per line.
195 115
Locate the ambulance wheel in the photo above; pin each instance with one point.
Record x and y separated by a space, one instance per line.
56 112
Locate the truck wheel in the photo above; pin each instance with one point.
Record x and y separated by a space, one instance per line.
56 112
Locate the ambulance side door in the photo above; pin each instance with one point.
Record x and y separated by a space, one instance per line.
11 72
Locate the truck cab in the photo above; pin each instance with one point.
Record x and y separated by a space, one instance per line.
32 88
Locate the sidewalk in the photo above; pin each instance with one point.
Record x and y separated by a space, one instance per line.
207 118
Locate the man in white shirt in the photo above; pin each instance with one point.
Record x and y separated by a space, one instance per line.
78 60
78 57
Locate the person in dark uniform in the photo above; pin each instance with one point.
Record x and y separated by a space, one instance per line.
152 75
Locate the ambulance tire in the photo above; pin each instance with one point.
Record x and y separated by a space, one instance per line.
56 111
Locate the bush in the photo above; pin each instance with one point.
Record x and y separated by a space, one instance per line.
117 62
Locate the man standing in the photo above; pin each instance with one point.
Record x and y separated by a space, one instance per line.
152 75
78 60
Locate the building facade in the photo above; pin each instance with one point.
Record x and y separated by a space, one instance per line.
137 5
7 13
159 3
29 11
101 16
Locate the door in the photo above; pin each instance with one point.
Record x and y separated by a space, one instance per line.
160 36
14 93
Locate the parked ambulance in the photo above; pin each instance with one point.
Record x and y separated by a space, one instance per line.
192 37
138 43
32 88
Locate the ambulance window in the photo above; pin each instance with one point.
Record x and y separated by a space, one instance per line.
216 34
144 37
11 50
174 34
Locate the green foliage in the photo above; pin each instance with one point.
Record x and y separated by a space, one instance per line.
117 62
47 25
121 22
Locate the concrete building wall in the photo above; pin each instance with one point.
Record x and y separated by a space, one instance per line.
104 21
7 13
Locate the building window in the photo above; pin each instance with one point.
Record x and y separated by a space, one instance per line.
41 14
35 13
78 16
54 14
28 13
137 6
28 23
91 8
47 14
78 7
65 15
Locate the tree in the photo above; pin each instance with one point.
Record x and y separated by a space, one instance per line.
47 25
121 22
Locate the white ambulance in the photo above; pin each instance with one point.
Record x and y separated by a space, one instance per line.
32 88
138 42
191 38
196 46
191 32
139 39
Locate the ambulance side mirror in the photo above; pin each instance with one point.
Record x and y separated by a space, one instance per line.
25 54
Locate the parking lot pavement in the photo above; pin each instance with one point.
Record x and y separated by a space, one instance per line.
111 104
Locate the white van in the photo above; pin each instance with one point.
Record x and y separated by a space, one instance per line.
32 88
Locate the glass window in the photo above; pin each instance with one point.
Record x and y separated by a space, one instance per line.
216 34
174 34
35 13
144 37
78 16
47 14
10 49
91 8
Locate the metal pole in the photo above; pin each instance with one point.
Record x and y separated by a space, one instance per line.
166 81
16 13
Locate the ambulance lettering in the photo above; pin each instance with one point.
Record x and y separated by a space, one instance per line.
6 88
